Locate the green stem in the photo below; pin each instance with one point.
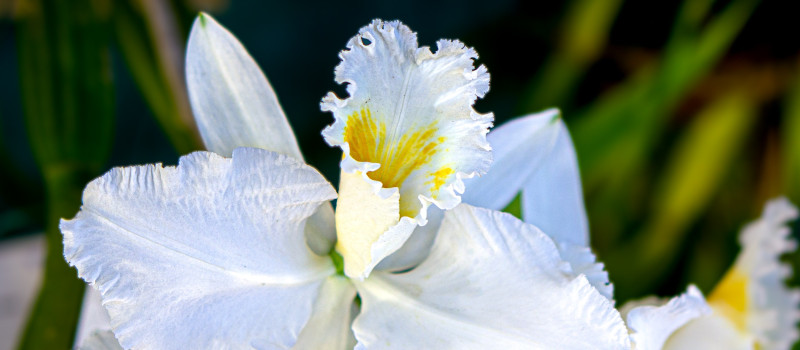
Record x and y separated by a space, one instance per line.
53 321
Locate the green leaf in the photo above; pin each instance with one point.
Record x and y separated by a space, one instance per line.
582 38
66 88
627 121
152 44
515 207
791 143
694 172
616 137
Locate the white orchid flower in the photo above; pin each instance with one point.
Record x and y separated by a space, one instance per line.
750 308
409 136
219 251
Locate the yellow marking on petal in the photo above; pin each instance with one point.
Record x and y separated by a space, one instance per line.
439 178
368 142
730 297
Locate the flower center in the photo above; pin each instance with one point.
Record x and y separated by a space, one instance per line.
398 155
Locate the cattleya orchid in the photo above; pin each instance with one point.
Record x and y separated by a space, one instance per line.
750 308
231 249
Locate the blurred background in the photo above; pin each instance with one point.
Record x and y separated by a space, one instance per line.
685 115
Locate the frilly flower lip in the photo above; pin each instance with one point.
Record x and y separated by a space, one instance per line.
409 136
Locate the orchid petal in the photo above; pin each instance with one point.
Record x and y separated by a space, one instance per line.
519 148
329 326
581 259
584 262
408 127
535 155
178 251
490 281
652 325
233 103
552 198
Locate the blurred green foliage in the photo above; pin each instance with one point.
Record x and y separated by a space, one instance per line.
682 134
68 101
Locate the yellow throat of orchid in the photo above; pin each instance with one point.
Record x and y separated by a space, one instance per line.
731 298
409 136
398 155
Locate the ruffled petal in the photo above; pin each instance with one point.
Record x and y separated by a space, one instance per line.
753 295
329 326
176 252
233 103
491 281
408 126
583 262
652 325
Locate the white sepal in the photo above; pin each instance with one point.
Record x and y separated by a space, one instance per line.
233 103
552 198
520 147
534 155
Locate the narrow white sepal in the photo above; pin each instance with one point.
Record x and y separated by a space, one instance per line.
233 103
519 148
534 155
552 198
